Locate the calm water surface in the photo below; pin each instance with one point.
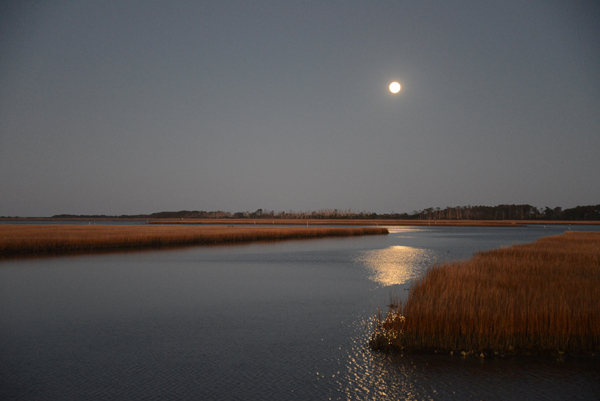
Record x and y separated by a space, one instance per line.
286 321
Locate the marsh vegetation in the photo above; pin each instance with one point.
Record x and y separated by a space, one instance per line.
39 240
534 298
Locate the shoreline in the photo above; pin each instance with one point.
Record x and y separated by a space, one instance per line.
318 222
28 240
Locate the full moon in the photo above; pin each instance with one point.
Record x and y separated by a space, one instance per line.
394 87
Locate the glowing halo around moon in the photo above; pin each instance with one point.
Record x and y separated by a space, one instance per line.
394 87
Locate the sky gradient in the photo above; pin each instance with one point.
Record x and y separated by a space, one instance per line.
134 107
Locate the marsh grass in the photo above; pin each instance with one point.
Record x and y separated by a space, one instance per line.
536 298
39 240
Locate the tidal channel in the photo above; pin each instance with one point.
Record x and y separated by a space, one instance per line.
280 321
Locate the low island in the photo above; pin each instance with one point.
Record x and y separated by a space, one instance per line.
26 240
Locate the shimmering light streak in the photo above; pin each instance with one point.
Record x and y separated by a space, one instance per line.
396 264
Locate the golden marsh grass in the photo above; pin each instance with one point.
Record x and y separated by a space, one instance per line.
542 297
39 240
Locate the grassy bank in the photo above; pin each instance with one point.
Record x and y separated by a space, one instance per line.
536 298
40 240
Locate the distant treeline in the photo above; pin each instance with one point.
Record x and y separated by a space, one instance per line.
508 212
500 212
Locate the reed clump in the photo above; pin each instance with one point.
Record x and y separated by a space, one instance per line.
40 240
536 298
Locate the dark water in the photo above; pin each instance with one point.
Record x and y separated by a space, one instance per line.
78 222
285 321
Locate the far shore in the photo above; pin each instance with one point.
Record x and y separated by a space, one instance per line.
34 240
374 222
320 222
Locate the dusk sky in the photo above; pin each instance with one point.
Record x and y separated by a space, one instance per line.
127 107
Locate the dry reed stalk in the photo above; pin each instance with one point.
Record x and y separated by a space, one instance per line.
36 240
541 297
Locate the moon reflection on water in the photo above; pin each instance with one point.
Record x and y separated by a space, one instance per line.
397 264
